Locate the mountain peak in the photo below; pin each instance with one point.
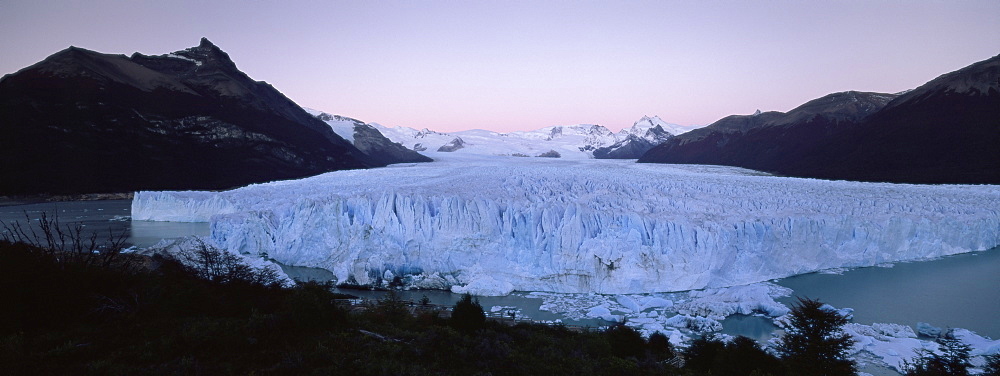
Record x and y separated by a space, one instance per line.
208 52
205 43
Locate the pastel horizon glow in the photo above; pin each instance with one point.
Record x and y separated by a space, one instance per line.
520 65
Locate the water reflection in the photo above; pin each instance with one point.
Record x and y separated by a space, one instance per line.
957 291
106 218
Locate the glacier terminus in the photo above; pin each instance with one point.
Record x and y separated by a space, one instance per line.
491 225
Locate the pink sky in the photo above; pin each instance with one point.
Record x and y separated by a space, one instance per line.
522 65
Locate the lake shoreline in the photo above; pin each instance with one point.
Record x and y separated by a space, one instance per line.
37 199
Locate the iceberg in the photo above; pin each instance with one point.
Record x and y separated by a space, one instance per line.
536 224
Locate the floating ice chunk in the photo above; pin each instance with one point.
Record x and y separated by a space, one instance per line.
894 330
602 312
928 330
628 303
655 302
746 300
847 313
980 345
699 324
887 348
485 286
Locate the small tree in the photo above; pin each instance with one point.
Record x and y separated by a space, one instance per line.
814 344
702 353
391 307
953 359
468 315
659 346
625 341
743 356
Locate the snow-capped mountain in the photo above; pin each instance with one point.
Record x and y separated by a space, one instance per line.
633 142
641 126
368 139
581 141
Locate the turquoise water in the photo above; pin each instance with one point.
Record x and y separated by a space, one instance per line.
960 291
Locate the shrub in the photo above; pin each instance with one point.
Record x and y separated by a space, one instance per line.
625 341
814 344
660 347
468 315
743 356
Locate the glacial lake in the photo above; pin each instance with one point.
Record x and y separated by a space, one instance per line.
960 291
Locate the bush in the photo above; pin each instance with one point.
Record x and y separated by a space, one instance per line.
625 341
814 344
701 355
660 347
743 356
468 315
220 266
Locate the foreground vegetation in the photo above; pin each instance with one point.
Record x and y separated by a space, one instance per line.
157 316
80 310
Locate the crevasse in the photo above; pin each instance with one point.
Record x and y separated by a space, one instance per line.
584 226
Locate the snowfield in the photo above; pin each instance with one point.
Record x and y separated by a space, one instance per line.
490 225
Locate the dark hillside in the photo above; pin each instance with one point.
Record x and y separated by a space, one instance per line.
82 122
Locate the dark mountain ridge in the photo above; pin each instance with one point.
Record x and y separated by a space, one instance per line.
82 121
767 140
946 131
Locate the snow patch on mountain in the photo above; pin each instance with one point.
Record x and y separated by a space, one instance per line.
341 125
568 141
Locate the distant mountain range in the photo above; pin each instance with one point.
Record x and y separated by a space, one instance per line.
946 131
566 141
82 121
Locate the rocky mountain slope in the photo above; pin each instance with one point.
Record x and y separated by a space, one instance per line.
946 131
82 121
633 142
369 140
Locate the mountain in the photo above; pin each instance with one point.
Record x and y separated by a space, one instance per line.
945 131
768 141
635 141
579 141
370 141
82 121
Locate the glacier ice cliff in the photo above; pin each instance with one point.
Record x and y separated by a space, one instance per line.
583 225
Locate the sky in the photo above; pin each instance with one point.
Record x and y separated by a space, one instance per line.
523 65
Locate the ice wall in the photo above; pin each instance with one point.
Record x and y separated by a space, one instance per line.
584 226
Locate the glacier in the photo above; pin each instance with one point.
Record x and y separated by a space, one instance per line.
499 224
